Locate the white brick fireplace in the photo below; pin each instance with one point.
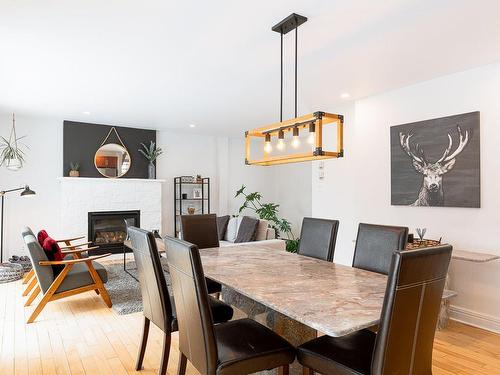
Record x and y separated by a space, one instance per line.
80 195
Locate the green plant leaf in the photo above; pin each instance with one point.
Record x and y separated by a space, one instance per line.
240 191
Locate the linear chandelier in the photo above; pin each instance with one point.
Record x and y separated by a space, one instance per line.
313 123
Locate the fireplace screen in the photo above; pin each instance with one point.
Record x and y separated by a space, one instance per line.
108 230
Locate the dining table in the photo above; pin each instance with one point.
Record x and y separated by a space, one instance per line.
298 297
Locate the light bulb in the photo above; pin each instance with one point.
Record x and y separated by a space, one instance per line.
267 147
311 138
281 140
312 133
281 144
295 140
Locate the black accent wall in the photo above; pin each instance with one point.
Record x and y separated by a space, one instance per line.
81 141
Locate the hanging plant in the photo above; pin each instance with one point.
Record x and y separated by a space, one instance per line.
11 154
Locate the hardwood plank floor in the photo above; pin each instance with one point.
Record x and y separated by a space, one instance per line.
80 335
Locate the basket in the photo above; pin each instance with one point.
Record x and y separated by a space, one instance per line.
10 272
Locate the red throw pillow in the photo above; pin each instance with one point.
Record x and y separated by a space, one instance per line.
52 249
42 235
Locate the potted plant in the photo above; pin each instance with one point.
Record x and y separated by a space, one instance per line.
74 169
269 212
151 153
11 154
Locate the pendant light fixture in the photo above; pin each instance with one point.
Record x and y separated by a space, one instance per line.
313 122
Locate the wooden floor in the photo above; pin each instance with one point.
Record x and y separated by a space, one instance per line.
79 335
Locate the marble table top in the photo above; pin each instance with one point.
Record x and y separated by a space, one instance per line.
331 298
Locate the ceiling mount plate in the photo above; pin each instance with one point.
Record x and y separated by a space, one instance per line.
290 23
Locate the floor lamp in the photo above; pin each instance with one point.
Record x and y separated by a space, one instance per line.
26 191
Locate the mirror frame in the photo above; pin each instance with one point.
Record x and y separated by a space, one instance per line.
124 148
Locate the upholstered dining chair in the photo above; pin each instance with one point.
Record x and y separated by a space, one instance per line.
317 238
375 245
159 307
238 347
201 230
70 250
404 342
74 276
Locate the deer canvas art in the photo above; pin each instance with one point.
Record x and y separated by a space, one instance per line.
436 162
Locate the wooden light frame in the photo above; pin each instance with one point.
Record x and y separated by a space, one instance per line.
319 119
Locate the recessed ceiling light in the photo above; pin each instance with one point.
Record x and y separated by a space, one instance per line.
345 95
192 125
86 112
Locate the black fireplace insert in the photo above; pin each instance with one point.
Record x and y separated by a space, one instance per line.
108 230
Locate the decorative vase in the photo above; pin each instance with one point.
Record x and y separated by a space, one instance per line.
191 210
151 171
74 173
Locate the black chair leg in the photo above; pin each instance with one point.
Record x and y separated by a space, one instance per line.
144 341
165 354
181 367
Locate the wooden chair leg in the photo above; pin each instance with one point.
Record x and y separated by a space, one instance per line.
165 354
49 293
181 366
307 371
284 370
144 341
100 286
31 285
28 276
33 295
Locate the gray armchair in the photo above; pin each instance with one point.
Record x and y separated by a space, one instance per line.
77 275
70 251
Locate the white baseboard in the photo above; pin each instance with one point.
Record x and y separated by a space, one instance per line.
474 318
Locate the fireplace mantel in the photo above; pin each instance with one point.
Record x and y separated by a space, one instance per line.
81 195
119 180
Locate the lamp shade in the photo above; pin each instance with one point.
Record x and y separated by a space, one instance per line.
27 191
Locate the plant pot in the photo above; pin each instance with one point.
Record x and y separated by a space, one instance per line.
74 173
151 171
13 164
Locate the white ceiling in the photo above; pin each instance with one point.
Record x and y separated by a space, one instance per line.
168 64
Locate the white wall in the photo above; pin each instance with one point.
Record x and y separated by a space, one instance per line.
357 188
43 166
287 185
220 158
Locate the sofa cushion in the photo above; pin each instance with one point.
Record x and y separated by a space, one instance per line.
53 252
222 222
232 229
247 229
261 233
41 236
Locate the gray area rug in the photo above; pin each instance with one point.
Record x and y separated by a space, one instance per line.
124 290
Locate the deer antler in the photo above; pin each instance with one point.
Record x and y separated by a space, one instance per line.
464 139
404 140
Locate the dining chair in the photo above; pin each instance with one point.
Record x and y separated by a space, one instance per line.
158 305
74 276
317 238
238 347
201 230
404 342
375 245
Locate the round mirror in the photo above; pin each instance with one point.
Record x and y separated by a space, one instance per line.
112 160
